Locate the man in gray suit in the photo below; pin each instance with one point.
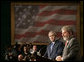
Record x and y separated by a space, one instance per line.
71 50
55 48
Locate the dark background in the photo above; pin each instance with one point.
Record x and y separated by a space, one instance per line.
5 24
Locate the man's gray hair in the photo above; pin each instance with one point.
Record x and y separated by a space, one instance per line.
68 28
54 32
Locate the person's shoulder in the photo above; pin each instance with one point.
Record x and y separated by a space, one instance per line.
58 41
72 40
61 43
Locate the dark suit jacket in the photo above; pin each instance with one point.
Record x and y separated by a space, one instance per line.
56 50
71 51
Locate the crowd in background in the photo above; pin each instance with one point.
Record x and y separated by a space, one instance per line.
18 52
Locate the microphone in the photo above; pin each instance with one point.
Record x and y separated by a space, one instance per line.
39 52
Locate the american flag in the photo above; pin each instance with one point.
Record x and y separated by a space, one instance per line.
33 22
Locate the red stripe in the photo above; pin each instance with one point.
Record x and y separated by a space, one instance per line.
33 34
61 11
55 22
42 6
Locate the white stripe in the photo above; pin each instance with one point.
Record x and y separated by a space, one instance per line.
52 8
40 38
56 17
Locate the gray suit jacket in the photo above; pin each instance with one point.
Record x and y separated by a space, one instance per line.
71 51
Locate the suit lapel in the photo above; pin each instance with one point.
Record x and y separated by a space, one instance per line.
49 48
54 46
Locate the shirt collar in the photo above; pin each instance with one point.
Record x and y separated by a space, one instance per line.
53 42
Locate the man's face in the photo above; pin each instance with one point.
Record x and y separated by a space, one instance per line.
34 48
20 57
65 35
51 36
25 49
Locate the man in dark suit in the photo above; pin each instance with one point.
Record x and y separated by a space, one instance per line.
55 48
71 50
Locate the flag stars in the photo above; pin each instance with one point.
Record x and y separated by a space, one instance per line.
17 25
24 23
16 16
19 18
20 13
16 9
31 23
33 17
28 21
24 16
28 13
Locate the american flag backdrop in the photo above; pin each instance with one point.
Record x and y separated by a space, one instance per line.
33 22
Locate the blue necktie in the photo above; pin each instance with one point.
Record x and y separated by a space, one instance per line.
52 46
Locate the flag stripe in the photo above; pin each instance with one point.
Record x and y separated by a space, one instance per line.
42 6
61 11
56 17
53 8
53 22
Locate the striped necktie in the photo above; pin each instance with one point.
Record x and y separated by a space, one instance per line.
66 43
